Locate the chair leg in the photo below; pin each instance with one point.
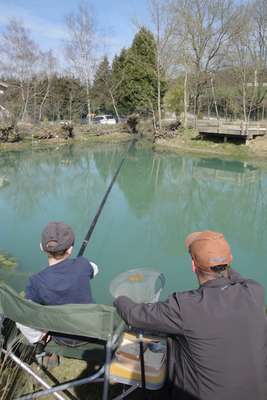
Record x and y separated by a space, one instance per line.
142 362
64 386
107 368
27 369
126 392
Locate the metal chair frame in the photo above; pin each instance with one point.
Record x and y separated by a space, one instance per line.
102 375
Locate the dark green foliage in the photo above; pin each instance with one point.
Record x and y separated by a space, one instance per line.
119 76
135 73
67 99
101 88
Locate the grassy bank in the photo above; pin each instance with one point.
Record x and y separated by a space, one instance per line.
188 141
180 141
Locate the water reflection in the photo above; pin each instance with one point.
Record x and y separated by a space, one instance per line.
237 172
157 199
210 193
140 179
68 172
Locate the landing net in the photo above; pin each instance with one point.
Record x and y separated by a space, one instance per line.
140 285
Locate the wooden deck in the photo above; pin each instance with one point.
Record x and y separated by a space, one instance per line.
234 130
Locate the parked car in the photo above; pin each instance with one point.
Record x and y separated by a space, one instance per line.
104 119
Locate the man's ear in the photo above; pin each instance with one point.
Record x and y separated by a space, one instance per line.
69 250
41 247
194 269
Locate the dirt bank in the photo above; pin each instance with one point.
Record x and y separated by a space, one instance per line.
38 136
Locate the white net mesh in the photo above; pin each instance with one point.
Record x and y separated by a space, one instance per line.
140 285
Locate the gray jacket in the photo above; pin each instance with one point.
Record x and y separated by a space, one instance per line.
218 348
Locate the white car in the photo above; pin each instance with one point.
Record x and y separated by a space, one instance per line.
104 119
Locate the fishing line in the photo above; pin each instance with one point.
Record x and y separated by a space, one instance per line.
100 208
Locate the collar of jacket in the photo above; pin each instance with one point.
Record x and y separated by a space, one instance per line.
220 282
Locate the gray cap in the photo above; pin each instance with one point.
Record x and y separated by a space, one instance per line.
57 236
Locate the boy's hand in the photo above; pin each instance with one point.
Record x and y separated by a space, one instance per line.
95 268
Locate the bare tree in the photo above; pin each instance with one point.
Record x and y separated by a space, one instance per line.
248 57
81 48
259 33
19 57
206 28
258 49
163 31
48 68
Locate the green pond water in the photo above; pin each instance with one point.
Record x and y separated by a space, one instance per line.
156 201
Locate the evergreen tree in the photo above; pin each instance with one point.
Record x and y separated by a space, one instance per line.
137 69
68 99
101 88
118 78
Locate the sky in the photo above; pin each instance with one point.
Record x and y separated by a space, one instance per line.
116 21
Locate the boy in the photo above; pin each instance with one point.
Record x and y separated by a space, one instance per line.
64 281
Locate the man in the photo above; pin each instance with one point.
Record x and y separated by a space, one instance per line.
217 345
64 281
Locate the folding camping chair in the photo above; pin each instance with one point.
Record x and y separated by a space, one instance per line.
92 321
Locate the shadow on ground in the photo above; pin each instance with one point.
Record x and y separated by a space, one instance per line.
74 369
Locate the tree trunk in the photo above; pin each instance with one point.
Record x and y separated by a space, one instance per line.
244 103
197 104
158 65
154 119
159 93
34 100
24 112
88 103
70 107
214 98
185 101
44 100
159 101
254 93
114 105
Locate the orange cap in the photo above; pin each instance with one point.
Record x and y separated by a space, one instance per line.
208 249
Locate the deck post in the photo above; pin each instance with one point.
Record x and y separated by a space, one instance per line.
242 128
225 139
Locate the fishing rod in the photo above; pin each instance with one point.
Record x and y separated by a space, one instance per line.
25 275
100 208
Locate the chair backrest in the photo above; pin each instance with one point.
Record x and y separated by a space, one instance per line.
90 320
